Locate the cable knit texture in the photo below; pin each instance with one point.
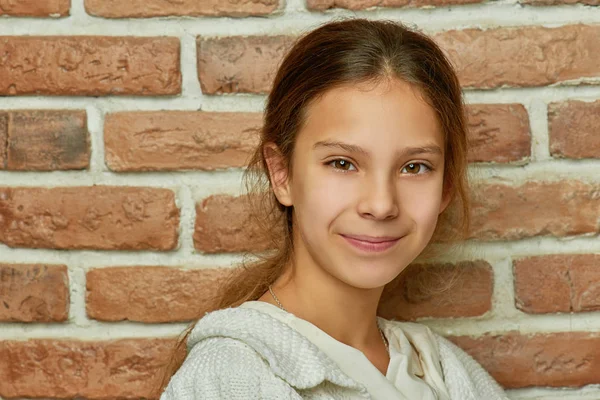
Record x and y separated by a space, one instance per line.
240 353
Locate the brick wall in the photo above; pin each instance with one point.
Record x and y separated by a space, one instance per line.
123 127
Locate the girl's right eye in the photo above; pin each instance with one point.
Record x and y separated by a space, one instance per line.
341 164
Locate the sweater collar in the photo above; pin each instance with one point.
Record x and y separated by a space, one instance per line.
290 355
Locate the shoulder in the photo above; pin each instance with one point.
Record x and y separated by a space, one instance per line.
464 374
225 368
452 354
464 377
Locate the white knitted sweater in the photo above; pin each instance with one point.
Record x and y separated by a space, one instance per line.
241 354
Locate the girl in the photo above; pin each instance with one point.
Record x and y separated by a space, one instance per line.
363 149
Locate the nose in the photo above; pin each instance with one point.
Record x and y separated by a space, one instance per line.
379 200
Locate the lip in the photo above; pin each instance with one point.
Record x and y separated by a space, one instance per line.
370 243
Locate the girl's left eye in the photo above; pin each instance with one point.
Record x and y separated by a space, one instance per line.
341 164
416 168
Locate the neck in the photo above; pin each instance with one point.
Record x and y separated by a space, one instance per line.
346 313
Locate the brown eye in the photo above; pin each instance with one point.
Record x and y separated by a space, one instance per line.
415 168
344 165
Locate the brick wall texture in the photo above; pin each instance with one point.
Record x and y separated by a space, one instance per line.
124 130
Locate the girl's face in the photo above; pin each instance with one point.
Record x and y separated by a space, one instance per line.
367 182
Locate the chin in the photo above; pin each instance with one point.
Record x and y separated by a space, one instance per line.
372 277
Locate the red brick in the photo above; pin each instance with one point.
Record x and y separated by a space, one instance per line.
89 65
65 369
34 293
225 223
573 129
558 283
151 294
173 140
35 8
557 359
563 208
239 64
498 133
46 140
320 5
523 56
515 56
96 217
439 291
161 8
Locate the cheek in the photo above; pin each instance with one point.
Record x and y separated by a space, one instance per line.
422 202
321 196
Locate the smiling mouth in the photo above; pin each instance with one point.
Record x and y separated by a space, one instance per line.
371 243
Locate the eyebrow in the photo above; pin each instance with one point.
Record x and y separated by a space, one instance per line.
407 151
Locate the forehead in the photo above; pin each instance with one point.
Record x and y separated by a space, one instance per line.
391 112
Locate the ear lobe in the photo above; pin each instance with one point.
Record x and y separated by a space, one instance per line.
278 173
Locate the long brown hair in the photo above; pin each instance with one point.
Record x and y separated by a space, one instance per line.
344 52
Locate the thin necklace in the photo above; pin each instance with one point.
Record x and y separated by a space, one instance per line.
385 342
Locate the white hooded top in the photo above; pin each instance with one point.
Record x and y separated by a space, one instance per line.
244 353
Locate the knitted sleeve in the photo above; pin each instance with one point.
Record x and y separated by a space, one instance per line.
223 368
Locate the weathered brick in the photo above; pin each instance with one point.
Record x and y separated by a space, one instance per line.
498 133
34 293
556 359
563 208
172 140
320 5
66 369
96 217
46 140
151 294
161 8
440 291
523 56
573 129
557 283
239 64
515 56
35 8
225 223
89 65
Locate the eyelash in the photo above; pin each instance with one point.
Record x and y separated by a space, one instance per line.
429 169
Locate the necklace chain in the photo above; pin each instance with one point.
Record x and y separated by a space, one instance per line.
385 342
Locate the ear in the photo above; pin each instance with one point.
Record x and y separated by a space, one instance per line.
278 173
